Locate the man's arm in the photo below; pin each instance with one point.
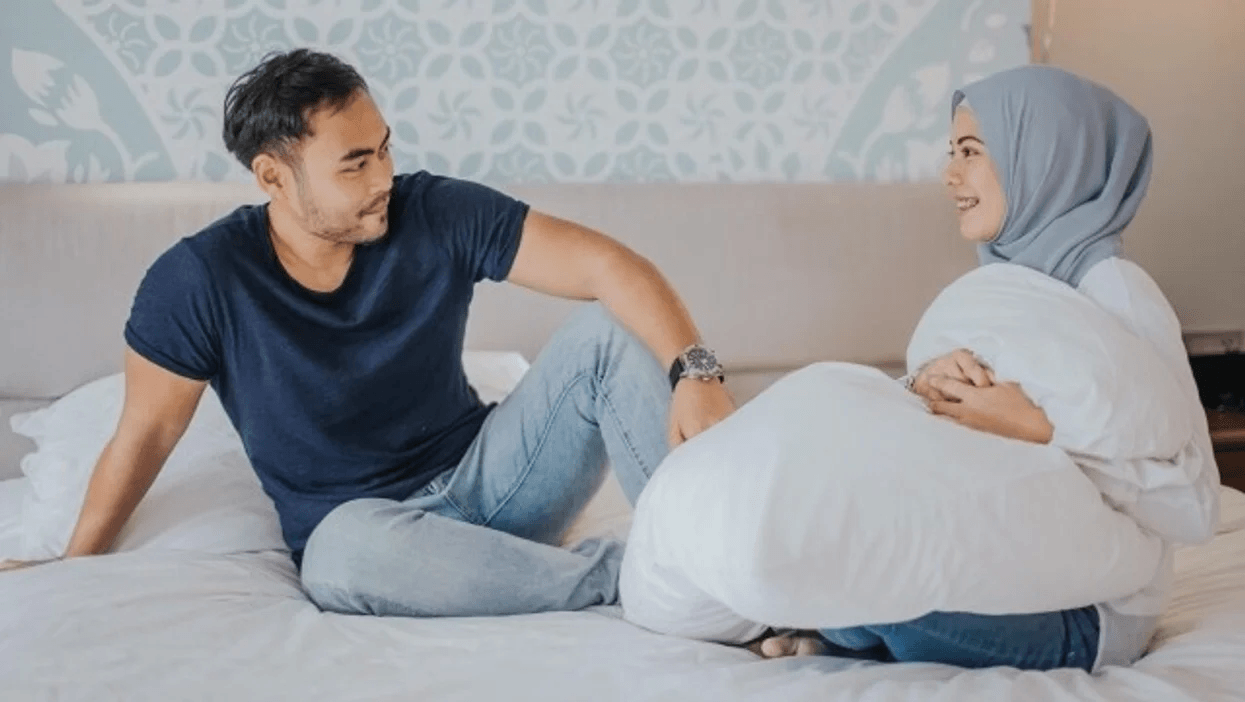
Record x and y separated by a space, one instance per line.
562 258
158 407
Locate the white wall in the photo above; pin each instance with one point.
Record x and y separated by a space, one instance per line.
1182 63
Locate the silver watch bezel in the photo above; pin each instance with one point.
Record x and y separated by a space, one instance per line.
705 366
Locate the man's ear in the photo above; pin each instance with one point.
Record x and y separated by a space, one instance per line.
272 175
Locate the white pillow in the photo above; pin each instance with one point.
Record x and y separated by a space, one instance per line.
1107 392
12 492
836 499
206 498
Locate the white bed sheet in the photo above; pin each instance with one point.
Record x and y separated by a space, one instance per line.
177 626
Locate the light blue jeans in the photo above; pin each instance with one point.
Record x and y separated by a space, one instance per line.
480 538
1045 641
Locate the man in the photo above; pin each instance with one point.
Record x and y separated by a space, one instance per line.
331 321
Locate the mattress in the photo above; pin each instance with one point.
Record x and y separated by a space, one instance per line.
150 625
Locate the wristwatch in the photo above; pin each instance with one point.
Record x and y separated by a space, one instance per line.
695 362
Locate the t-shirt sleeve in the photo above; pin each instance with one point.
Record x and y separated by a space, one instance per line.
481 225
172 323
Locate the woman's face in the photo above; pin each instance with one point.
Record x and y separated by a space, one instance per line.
972 181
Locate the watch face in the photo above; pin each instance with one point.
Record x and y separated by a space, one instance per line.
701 359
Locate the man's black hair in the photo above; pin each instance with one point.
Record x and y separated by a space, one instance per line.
268 107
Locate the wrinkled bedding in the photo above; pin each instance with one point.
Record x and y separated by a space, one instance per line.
160 626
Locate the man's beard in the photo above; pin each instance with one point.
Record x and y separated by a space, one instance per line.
316 223
319 226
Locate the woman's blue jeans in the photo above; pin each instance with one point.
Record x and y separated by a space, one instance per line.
1067 639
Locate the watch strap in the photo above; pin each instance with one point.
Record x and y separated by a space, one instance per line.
676 371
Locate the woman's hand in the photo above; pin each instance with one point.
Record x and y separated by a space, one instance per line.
1001 409
959 365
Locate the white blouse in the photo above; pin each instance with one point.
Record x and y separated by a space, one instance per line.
1176 497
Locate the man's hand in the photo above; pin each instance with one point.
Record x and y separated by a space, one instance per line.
1001 409
18 565
696 406
959 365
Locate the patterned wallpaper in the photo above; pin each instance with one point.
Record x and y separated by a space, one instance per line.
513 90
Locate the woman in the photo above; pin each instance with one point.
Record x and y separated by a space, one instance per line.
1046 171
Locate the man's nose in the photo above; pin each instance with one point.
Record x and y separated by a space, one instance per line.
382 179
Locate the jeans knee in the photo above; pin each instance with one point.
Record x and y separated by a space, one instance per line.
339 547
594 321
590 339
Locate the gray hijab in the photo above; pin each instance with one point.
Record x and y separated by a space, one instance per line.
1074 161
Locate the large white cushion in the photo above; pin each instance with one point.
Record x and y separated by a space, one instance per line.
1107 392
836 499
206 498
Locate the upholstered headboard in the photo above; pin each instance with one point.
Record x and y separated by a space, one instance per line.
776 275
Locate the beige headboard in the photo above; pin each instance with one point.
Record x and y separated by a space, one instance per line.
776 275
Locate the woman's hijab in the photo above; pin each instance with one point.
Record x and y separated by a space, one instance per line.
1074 161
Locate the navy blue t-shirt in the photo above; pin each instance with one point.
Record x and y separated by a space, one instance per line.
359 392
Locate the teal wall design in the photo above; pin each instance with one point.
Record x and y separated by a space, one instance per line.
513 90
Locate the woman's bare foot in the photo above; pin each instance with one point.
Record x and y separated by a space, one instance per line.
784 645
18 565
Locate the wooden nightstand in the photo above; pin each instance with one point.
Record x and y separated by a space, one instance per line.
1227 433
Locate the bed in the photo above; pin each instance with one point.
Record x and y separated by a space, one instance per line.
777 276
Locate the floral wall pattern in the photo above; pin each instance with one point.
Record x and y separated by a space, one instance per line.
513 90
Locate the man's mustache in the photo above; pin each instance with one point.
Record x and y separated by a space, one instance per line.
380 203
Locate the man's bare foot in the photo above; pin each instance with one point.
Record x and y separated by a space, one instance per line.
784 645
